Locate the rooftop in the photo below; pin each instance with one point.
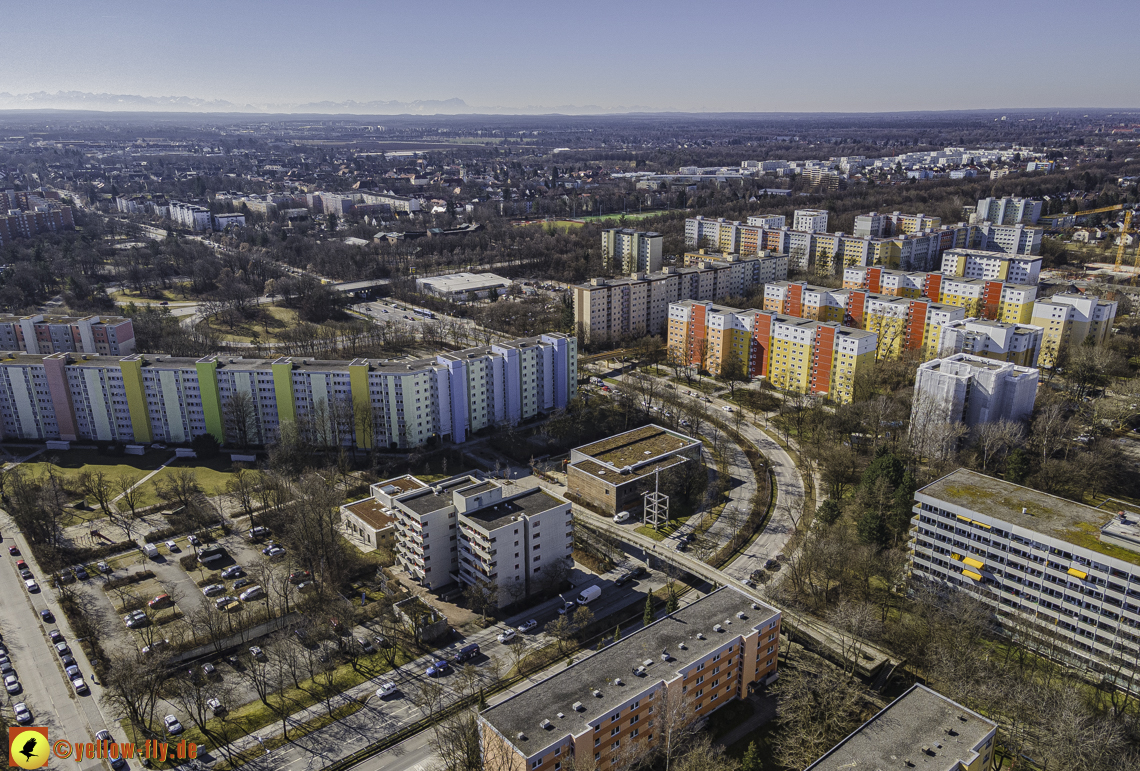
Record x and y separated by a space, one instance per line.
371 513
528 504
429 500
524 712
636 446
1066 520
404 484
921 726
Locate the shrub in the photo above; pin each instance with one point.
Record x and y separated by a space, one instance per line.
133 578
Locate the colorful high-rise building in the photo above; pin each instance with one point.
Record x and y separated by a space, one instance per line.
1069 319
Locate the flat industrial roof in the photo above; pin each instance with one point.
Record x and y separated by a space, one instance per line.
524 712
633 447
921 726
371 512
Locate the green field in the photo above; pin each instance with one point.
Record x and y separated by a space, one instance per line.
619 215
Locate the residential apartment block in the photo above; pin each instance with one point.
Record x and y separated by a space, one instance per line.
363 403
876 225
1069 319
970 389
920 728
465 530
109 335
28 213
1008 239
631 251
611 475
793 353
989 297
1062 577
190 215
1009 210
1018 344
810 220
612 309
992 266
611 705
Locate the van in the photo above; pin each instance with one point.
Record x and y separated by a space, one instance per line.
210 553
151 551
466 653
589 594
621 516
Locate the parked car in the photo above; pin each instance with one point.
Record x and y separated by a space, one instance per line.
231 604
62 649
242 583
172 546
6 667
621 516
299 576
104 567
135 619
55 636
161 601
252 593
306 586
154 647
25 574
386 689
172 725
526 626
365 646
47 616
32 586
21 565
81 573
639 572
80 685
12 683
257 533
257 653
216 706
213 590
67 661
209 670
13 551
507 636
274 551
623 579
222 602
234 571
381 641
194 540
23 714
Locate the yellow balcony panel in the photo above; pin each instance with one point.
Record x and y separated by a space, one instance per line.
972 574
1078 573
974 563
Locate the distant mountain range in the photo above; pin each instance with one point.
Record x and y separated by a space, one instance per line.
81 100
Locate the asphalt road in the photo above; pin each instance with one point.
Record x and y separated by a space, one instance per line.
46 690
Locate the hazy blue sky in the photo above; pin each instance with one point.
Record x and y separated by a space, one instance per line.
700 56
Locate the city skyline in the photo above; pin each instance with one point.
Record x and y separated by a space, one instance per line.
511 58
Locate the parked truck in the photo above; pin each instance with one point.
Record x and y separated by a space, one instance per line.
589 594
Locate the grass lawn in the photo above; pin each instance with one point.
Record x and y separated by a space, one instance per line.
123 297
619 215
70 464
666 530
706 385
269 321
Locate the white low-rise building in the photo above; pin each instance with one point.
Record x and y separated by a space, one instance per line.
460 286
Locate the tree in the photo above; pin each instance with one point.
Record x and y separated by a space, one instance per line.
647 616
1017 466
133 687
240 416
482 596
180 487
732 372
98 486
828 512
241 487
816 710
205 446
993 439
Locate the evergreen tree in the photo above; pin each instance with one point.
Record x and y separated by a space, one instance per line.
617 633
751 760
871 528
828 512
671 604
647 617
1017 466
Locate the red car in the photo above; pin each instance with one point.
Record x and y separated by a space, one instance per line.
161 601
13 551
21 565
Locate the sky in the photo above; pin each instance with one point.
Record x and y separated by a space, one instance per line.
711 56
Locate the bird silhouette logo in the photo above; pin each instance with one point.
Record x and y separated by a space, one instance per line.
28 747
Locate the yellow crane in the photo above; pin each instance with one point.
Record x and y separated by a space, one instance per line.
1055 218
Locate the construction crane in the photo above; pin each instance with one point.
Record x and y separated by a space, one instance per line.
1124 231
1055 218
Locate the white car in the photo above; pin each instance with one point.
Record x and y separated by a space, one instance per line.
172 725
213 589
79 684
507 636
172 546
12 683
726 408
567 606
526 626
252 593
23 714
215 706
386 689
33 587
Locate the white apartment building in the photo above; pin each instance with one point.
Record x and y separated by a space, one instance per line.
467 530
767 221
810 220
992 266
190 215
610 309
970 389
223 221
1009 239
397 203
1073 599
631 251
1009 210
998 340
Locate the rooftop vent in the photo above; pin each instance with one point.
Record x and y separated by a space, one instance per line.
561 715
546 724
522 736
951 732
740 614
640 671
755 606
597 693
579 707
1024 510
681 646
718 628
617 681
700 636
647 663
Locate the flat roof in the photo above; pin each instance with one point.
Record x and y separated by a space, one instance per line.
371 512
428 500
403 484
524 712
640 444
528 504
608 475
917 726
1047 514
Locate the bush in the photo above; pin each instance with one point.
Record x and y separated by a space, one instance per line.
133 578
188 562
206 446
163 534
